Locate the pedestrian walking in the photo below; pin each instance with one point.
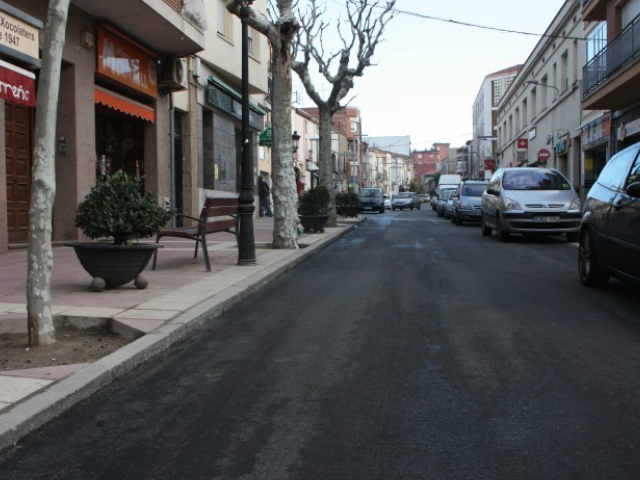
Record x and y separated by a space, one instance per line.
299 184
264 194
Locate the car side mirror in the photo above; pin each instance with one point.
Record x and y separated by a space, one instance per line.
633 190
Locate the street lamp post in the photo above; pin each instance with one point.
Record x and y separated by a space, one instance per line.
246 240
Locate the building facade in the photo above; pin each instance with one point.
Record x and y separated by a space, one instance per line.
482 147
611 81
538 118
114 104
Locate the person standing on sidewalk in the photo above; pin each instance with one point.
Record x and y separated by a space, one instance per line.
264 193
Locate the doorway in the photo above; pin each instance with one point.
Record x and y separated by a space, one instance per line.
19 148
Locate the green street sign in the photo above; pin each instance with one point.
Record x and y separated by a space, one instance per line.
265 139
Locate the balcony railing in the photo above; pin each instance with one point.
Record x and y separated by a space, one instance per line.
618 53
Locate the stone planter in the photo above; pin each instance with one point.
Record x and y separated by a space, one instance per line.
313 223
111 265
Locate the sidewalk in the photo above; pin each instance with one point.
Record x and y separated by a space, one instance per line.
181 296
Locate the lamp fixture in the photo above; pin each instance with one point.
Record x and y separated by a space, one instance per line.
295 141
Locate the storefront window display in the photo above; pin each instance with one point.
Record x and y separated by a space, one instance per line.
119 143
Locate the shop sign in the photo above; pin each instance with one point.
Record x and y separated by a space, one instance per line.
597 129
523 143
266 137
489 164
562 146
17 85
543 156
19 37
126 63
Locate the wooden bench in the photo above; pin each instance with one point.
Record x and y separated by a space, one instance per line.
217 215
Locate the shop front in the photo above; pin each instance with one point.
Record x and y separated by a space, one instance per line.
19 34
595 140
123 110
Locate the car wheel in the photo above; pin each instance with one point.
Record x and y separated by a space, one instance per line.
459 220
573 237
486 231
381 210
500 233
418 207
411 208
588 269
453 219
393 209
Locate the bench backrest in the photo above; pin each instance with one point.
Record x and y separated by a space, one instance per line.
218 207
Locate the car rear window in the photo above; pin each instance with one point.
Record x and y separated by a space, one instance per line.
368 192
534 180
472 190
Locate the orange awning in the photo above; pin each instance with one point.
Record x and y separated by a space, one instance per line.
123 104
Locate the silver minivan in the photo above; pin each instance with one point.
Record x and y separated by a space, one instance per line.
530 200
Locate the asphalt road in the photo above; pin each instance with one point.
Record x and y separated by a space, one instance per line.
409 349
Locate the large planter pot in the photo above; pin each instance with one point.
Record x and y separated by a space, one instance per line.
111 265
347 211
313 223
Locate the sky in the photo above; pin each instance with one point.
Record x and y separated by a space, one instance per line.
428 72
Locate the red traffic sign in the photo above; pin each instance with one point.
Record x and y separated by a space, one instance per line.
543 156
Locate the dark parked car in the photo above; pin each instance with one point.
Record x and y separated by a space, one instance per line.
467 202
371 199
441 203
610 230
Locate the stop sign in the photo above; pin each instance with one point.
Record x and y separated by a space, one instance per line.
543 156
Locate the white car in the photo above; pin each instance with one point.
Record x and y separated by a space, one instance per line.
387 201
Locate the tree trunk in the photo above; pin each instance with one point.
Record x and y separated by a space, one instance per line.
285 198
40 264
326 169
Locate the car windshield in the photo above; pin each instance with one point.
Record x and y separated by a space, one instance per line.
404 195
368 192
473 190
534 180
446 194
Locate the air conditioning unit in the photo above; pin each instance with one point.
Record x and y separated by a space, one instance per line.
174 73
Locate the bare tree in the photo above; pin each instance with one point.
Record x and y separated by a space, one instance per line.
367 20
40 259
280 34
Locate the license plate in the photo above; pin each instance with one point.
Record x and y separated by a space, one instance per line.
546 219
368 208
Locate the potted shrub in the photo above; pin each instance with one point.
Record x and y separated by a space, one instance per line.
347 204
313 209
117 209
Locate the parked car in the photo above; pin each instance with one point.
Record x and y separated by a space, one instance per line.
467 202
406 200
448 207
610 231
371 199
530 201
387 201
433 201
442 201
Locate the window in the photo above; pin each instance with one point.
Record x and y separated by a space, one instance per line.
496 86
221 15
615 172
525 119
250 43
354 125
564 71
517 120
507 83
534 103
596 41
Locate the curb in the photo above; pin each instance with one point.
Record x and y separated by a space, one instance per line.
49 403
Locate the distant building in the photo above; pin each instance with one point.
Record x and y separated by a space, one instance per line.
482 145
